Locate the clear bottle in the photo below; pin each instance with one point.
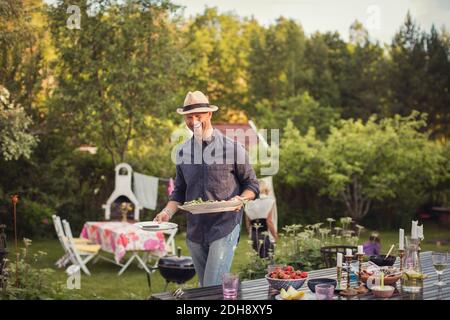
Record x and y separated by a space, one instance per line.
412 270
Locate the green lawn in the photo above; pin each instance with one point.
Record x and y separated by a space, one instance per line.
104 282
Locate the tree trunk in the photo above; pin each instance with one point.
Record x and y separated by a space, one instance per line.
357 205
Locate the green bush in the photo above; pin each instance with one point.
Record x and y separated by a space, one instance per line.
33 283
299 246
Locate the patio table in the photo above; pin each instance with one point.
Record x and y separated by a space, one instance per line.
121 237
259 289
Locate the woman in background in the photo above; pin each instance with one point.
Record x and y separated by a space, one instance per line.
259 221
373 246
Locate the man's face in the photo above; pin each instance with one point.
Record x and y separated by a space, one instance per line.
197 122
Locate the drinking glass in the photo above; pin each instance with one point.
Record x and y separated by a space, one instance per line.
230 283
324 291
440 263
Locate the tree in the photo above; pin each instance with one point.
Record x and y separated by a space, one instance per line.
24 53
276 61
360 163
217 48
122 67
15 139
302 110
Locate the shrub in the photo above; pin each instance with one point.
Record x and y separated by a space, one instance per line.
33 283
299 246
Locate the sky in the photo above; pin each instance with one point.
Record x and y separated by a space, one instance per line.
381 17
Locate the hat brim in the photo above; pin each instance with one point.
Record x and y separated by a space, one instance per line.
197 110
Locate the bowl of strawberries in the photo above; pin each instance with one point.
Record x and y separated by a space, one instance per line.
283 277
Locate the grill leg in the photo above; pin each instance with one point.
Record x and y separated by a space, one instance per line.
165 288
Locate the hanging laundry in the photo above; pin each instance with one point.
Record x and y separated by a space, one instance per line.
146 190
170 186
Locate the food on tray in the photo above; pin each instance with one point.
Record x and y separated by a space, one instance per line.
391 274
201 201
287 272
291 294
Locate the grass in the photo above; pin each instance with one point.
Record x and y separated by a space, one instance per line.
132 284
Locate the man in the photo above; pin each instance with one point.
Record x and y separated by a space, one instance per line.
210 166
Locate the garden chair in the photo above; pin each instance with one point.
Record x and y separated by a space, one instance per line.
329 253
62 262
80 254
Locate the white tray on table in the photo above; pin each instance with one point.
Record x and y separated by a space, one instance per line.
212 207
155 226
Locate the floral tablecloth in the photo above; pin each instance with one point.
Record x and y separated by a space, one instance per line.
119 237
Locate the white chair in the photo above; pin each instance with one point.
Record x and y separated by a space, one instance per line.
60 232
80 254
65 259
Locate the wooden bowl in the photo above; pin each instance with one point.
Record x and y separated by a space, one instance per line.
388 279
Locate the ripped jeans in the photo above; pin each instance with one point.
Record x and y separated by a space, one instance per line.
212 260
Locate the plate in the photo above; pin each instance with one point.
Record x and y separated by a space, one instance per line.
307 296
155 226
211 207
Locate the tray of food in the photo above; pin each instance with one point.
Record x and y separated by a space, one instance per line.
391 274
200 206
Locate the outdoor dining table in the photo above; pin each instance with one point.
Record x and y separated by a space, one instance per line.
119 238
259 289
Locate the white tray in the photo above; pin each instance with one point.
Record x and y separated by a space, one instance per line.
212 207
155 226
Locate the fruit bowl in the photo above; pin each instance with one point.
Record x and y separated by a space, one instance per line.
279 284
285 277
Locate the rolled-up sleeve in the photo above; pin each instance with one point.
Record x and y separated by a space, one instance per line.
245 173
179 192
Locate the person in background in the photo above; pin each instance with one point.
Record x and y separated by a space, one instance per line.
259 221
373 246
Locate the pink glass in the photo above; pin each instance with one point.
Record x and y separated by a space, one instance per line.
230 283
324 291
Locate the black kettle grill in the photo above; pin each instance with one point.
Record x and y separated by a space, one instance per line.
178 269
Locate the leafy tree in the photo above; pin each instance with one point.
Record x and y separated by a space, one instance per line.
121 67
420 76
283 45
15 139
302 110
24 53
360 163
217 49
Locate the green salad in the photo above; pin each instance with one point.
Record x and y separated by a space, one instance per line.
200 201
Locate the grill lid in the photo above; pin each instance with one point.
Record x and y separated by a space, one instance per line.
176 261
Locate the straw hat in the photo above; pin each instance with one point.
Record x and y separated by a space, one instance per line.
196 102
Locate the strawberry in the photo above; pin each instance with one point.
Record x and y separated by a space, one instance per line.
288 268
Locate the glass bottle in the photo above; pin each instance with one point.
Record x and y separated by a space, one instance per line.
412 270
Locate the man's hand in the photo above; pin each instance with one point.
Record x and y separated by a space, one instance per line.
239 198
162 217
